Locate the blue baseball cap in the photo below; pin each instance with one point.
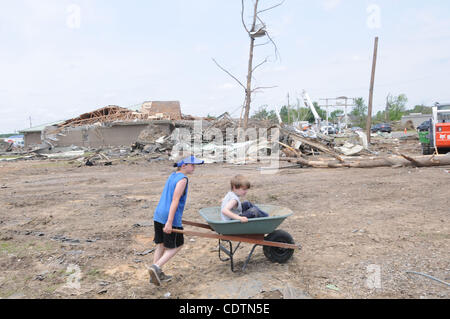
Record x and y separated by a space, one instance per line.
190 160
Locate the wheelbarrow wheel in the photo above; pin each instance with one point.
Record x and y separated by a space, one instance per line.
276 254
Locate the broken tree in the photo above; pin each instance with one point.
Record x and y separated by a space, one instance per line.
256 30
388 161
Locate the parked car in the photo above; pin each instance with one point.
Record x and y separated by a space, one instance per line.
328 129
382 127
424 127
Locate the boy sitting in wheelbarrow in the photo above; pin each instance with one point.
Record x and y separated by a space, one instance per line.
232 208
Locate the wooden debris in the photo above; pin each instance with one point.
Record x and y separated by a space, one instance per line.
391 161
313 144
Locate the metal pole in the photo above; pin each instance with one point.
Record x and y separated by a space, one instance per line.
372 82
346 116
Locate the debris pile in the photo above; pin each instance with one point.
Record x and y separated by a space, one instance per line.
154 139
222 140
6 146
168 134
350 150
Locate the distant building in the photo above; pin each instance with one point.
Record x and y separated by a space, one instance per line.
107 126
415 119
170 110
32 135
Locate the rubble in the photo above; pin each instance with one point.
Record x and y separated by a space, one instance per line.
5 146
350 149
167 139
307 148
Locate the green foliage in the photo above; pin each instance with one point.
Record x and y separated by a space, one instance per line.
379 117
335 114
420 109
285 114
396 109
293 114
264 114
360 112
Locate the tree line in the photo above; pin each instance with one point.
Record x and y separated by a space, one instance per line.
396 107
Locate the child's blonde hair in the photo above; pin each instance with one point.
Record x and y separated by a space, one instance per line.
240 181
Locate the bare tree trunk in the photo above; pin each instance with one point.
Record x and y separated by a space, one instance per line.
391 161
248 92
253 34
386 112
372 81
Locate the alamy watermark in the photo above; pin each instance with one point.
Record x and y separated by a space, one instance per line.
374 18
237 146
373 280
73 20
74 279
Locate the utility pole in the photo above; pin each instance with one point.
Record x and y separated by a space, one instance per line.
346 116
372 83
326 107
386 112
336 102
30 122
289 109
248 91
298 109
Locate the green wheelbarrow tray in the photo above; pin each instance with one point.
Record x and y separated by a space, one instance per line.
263 225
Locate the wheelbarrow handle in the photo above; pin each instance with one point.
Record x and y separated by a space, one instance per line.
251 239
206 226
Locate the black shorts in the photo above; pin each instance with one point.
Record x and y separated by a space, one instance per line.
170 241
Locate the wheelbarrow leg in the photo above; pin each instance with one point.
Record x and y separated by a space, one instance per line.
248 258
229 252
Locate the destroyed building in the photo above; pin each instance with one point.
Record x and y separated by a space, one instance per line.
154 135
413 120
105 127
32 135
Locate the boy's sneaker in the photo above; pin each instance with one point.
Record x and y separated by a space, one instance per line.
155 272
164 278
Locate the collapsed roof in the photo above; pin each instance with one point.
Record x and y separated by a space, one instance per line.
106 114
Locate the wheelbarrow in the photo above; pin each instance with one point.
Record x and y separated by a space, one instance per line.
278 245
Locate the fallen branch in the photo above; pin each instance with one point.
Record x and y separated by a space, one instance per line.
317 146
412 160
392 161
297 152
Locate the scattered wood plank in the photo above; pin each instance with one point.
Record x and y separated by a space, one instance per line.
314 145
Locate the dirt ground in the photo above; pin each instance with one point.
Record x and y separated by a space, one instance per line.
80 232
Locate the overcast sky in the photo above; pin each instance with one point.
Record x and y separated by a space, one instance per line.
61 58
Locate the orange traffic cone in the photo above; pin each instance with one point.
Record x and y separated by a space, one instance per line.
406 131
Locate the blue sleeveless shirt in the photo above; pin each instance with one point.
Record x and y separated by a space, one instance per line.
162 210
